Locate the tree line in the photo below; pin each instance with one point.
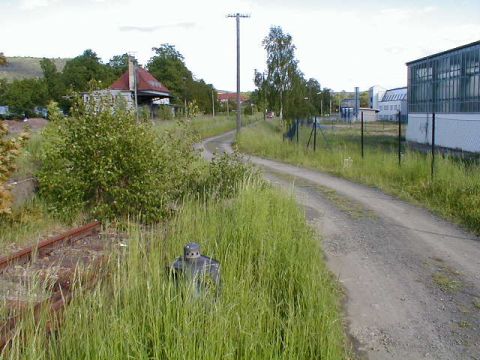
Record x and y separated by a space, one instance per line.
87 72
283 88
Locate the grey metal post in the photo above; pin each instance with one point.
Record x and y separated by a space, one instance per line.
296 121
433 145
315 135
399 138
361 119
213 105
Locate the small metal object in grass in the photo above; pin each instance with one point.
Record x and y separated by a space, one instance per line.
202 271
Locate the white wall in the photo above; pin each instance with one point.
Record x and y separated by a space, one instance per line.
452 130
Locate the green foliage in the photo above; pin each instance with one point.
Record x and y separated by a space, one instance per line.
281 63
81 70
119 64
168 66
101 160
3 59
226 173
165 112
22 96
53 80
9 151
277 301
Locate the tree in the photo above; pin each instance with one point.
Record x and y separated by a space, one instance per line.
297 103
168 66
119 64
22 96
82 70
53 79
259 96
364 99
3 59
281 63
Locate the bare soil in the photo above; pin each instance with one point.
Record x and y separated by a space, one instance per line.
17 126
412 280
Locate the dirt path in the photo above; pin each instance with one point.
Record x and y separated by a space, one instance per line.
412 280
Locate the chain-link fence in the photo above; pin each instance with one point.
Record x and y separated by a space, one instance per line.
363 137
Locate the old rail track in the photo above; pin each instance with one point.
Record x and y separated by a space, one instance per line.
41 277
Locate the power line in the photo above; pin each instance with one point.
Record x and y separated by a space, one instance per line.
237 16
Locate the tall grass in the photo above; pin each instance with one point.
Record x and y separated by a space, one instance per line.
29 223
207 126
277 299
454 193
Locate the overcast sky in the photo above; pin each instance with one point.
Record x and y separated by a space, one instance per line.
342 44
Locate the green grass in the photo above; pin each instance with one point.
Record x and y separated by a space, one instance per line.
19 67
277 299
208 126
454 193
29 160
28 224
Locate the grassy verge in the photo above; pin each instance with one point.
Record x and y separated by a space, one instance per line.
277 299
454 193
208 126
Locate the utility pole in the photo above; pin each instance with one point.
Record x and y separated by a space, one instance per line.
264 97
213 105
132 80
237 16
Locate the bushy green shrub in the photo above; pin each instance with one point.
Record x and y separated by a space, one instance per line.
101 160
226 172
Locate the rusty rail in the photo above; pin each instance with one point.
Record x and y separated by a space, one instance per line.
26 254
58 300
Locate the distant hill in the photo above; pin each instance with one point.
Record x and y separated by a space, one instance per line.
26 68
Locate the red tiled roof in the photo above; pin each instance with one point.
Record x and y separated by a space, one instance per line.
146 82
230 96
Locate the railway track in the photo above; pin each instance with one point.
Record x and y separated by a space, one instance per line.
41 277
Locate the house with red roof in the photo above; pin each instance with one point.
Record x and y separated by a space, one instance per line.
223 97
148 88
149 91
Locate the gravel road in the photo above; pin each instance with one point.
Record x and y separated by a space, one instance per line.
412 280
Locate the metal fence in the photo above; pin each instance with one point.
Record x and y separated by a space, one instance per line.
430 134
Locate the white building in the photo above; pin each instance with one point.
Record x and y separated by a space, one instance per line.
393 103
375 95
446 84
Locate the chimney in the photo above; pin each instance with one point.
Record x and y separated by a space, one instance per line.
131 74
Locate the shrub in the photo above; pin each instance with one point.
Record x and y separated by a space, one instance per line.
9 150
226 173
101 160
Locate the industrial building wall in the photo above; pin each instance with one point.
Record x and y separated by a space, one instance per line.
458 131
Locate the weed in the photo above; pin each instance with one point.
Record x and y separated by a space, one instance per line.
446 282
277 301
455 193
476 303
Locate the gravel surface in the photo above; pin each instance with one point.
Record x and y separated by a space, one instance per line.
412 280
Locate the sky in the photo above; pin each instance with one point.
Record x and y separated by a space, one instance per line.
342 44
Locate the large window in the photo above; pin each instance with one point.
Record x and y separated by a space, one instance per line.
446 83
